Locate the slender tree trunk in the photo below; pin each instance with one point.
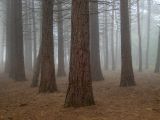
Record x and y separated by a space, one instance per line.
127 75
117 40
37 64
37 68
3 46
148 33
157 67
106 38
48 81
79 91
139 37
27 36
61 68
34 32
112 36
8 37
94 38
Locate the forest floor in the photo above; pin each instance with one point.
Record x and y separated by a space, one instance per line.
18 101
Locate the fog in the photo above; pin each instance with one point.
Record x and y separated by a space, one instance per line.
99 57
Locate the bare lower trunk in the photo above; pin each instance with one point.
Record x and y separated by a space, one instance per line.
148 33
157 67
96 71
27 37
37 69
34 33
127 76
8 37
112 36
16 66
48 81
139 36
61 68
106 45
79 91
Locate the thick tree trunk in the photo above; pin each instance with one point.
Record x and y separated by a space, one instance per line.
61 68
16 71
20 70
79 91
157 67
139 37
127 75
48 82
94 38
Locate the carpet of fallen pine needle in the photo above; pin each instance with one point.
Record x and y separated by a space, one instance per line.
18 101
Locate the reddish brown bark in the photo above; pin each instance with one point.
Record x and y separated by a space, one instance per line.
48 82
127 75
79 91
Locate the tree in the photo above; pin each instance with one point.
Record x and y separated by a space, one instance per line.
139 37
15 66
79 91
37 64
106 38
48 82
37 68
112 36
61 69
127 75
117 39
157 67
8 37
27 36
96 72
34 32
148 33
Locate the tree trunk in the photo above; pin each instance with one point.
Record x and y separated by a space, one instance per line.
139 37
37 68
16 71
157 67
61 69
96 72
117 40
106 38
27 37
127 75
112 36
34 32
79 91
148 33
3 45
8 37
48 82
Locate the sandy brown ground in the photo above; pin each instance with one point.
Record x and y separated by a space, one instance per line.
20 102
